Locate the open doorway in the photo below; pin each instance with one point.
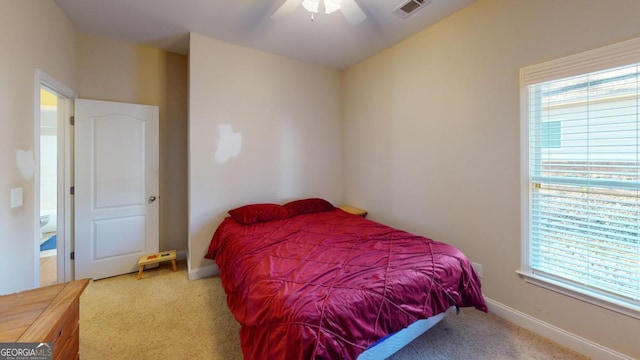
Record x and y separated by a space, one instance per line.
54 165
48 186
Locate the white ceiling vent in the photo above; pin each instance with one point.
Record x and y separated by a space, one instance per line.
410 7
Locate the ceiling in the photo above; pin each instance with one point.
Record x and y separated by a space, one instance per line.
329 40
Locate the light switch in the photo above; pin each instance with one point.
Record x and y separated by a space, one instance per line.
16 197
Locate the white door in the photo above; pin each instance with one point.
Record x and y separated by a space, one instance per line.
116 186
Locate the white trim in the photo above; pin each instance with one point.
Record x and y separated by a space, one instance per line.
524 172
204 272
65 264
62 89
560 336
36 181
575 292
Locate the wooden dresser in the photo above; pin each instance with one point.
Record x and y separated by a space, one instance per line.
47 314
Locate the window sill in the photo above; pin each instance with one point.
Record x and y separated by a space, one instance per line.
581 294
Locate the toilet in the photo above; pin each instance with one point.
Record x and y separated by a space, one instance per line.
48 224
44 219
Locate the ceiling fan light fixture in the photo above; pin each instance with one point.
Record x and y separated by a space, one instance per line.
311 5
348 8
331 6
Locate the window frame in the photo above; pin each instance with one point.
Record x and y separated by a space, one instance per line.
612 56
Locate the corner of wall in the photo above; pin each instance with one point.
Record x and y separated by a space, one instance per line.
204 272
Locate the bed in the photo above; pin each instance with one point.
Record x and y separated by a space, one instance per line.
309 281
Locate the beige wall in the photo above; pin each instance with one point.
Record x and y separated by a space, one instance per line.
431 131
429 140
288 116
116 71
33 35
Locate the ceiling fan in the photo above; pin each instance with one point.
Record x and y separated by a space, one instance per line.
349 9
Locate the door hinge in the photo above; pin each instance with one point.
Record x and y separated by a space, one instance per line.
72 255
72 190
72 120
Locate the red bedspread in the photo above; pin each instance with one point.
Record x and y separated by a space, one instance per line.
329 285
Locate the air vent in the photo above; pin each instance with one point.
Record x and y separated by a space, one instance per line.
410 7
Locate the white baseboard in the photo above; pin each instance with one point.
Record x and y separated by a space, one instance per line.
203 272
562 337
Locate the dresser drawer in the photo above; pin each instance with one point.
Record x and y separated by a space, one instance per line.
70 348
65 328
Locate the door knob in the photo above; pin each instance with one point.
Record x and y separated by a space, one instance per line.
152 198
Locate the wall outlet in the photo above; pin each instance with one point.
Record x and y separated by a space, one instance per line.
478 268
16 197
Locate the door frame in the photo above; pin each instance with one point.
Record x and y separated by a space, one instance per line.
65 179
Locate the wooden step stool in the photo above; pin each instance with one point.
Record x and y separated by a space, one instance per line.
156 258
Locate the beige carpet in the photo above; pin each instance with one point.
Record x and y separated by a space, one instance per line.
166 316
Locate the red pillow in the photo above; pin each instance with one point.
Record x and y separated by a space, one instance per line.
308 206
254 213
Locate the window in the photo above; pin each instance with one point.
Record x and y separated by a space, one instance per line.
581 163
550 134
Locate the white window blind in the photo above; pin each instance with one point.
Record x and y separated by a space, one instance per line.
582 166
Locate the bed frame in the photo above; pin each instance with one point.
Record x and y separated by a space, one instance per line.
395 342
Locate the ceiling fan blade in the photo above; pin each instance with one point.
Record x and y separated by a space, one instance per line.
352 12
286 9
